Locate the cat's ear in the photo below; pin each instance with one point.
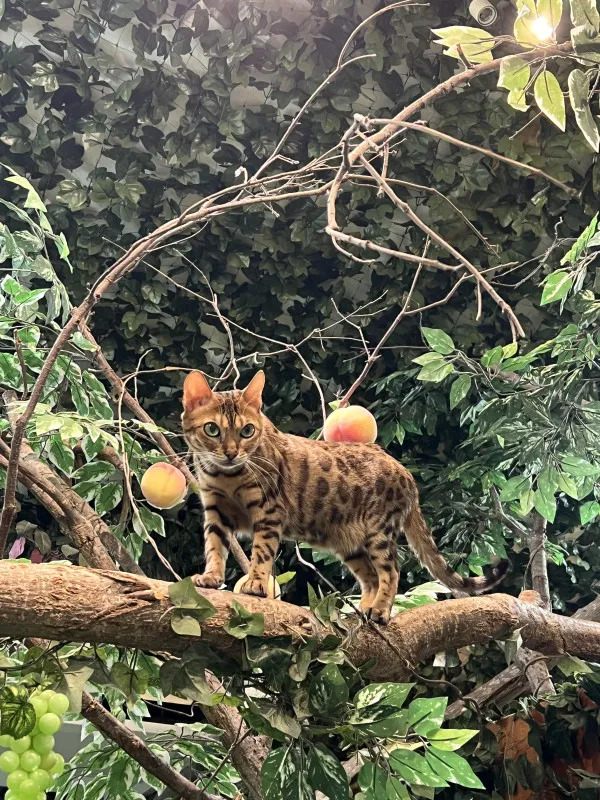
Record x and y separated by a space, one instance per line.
196 391
252 394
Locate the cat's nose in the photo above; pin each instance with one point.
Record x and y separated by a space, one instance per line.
231 454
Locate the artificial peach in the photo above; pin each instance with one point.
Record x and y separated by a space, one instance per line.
163 485
350 424
273 591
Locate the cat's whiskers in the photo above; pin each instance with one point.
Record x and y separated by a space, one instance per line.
257 477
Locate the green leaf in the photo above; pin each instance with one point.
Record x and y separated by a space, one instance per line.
186 621
439 341
396 790
435 372
284 776
514 488
61 455
579 87
567 485
579 467
585 12
557 286
549 98
589 511
426 714
460 34
550 10
326 774
184 594
389 694
451 738
328 691
243 623
459 390
453 768
17 715
493 357
373 781
109 497
82 343
414 768
545 504
514 74
72 194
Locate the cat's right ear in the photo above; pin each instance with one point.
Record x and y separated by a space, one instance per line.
196 391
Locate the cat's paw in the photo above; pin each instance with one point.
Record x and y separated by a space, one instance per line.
208 580
380 615
255 587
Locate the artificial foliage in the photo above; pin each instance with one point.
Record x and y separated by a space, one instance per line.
117 116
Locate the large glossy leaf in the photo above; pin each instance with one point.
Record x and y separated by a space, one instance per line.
579 87
549 98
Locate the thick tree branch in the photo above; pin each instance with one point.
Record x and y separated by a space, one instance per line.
70 603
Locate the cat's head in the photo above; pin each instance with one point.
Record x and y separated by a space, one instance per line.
224 428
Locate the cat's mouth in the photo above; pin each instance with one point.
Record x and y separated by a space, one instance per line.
226 464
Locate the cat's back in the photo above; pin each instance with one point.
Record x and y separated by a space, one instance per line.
344 462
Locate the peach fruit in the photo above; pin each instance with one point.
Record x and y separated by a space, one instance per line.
163 485
274 589
350 424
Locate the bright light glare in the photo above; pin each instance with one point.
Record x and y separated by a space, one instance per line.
542 29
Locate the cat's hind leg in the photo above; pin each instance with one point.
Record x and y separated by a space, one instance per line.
360 566
381 550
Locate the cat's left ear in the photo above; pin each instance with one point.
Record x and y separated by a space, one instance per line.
252 394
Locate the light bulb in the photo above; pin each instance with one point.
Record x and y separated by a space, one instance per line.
541 28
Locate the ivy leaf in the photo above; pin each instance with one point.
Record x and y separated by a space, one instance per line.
243 623
453 768
71 194
17 715
549 98
326 774
396 789
579 87
550 10
459 390
438 340
493 357
372 780
557 286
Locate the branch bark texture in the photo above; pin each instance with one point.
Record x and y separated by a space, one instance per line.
70 603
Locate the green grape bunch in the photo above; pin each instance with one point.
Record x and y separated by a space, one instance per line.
30 762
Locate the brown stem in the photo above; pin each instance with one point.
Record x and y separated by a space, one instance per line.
128 741
538 561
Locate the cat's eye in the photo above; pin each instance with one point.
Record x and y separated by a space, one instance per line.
247 431
211 429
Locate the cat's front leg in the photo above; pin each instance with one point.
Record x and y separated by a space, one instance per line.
218 531
266 538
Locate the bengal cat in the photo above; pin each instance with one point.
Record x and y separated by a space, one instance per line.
351 499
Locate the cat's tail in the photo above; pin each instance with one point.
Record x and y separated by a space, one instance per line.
423 545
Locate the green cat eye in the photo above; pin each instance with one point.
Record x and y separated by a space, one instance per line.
211 429
247 431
